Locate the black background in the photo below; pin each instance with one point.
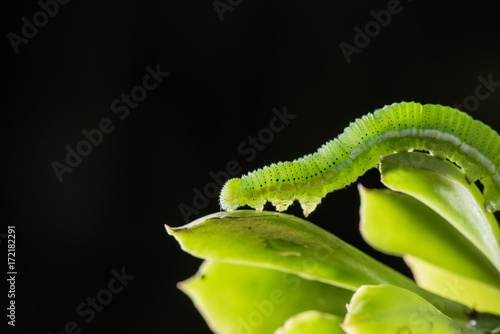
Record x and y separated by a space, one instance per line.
225 79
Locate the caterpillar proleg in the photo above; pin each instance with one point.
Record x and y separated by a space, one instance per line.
401 127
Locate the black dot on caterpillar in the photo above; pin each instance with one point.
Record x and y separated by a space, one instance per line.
400 127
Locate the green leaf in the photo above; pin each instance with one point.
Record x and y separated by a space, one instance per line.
440 185
482 297
312 322
287 243
389 309
284 242
243 299
398 224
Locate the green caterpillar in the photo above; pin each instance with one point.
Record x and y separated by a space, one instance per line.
401 127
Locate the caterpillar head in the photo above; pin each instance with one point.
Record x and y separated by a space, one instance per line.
229 195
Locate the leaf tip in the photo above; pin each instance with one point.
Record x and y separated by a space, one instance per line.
169 229
180 285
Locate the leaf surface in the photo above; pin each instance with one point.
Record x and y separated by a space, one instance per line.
398 224
236 298
443 187
392 310
290 244
312 322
